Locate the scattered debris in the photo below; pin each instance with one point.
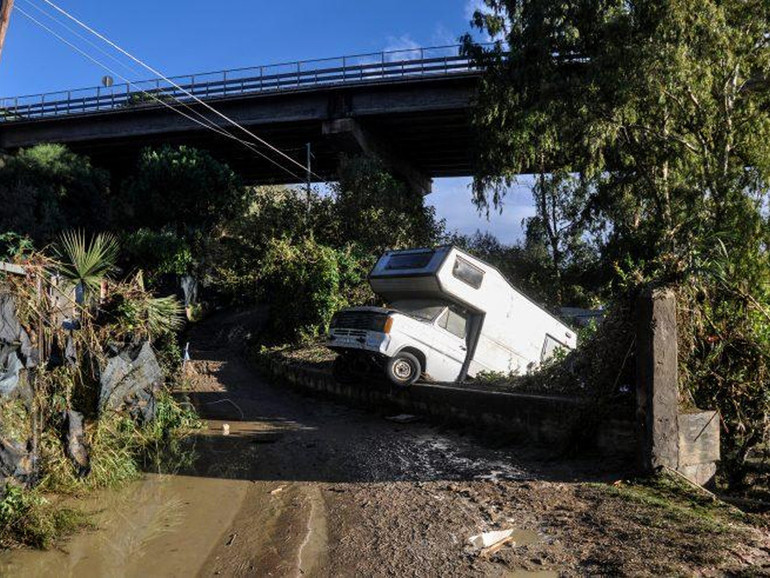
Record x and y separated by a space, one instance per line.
490 542
129 381
276 491
75 442
403 418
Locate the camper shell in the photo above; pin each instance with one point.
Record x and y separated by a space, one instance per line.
455 314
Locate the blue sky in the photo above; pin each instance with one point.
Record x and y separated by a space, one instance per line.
179 37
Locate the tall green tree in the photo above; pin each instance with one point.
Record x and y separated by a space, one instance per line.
664 107
377 211
664 104
47 189
184 189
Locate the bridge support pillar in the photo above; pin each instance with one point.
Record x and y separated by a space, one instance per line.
352 137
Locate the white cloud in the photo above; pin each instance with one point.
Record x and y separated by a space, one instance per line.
471 6
442 36
452 199
404 46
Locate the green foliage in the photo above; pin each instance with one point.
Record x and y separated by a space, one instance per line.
377 211
130 312
87 263
158 253
273 213
368 211
648 102
29 519
14 246
184 189
302 284
724 333
662 111
47 188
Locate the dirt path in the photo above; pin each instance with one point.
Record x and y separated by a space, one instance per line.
336 491
304 487
339 492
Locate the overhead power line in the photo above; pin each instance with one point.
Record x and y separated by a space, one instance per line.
103 38
206 123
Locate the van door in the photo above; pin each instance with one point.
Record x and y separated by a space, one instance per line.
451 330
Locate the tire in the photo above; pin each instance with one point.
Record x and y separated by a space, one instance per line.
403 369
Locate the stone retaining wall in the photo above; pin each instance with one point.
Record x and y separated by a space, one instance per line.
541 419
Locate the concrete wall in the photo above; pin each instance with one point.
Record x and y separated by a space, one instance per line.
545 420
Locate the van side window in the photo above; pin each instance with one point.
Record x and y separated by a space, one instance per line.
467 272
550 347
454 322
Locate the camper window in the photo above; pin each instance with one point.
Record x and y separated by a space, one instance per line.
453 321
468 273
409 261
550 347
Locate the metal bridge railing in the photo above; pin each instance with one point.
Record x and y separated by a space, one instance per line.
379 66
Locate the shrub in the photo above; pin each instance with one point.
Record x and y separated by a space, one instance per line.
157 253
302 284
47 188
29 519
182 188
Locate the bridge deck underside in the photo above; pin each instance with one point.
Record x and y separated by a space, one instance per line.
426 123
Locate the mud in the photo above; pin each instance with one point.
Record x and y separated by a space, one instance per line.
305 487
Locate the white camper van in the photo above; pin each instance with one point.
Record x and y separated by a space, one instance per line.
449 315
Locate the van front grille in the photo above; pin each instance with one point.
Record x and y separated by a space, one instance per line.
363 320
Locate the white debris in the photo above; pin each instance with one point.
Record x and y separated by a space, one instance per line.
225 429
403 418
487 539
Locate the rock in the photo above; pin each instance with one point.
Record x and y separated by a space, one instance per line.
75 444
129 382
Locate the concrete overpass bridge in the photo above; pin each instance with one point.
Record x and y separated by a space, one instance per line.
410 107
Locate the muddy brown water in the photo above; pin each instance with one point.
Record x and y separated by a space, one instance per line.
299 487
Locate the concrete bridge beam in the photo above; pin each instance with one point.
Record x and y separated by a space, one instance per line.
350 136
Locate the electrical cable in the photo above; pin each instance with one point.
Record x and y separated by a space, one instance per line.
213 127
175 85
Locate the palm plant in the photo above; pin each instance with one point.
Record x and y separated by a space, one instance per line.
87 263
164 315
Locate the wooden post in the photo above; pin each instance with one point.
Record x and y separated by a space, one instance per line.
5 18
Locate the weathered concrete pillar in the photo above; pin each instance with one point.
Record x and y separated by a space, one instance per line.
685 442
657 388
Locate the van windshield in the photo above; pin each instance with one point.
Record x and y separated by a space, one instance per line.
422 309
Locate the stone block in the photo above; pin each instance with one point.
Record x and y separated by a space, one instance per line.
698 438
701 474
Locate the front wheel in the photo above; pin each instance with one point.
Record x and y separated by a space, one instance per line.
403 369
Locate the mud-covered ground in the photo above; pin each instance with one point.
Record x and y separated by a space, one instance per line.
338 491
305 487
